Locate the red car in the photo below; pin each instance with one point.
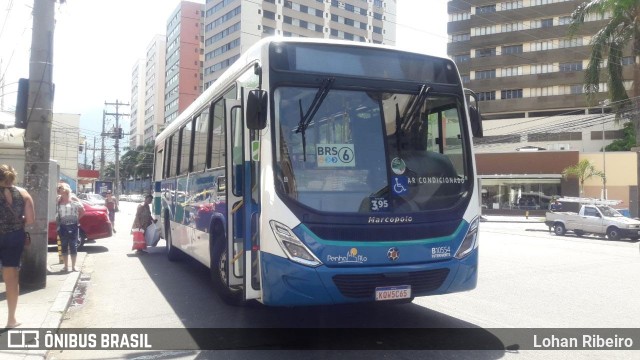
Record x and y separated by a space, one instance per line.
94 224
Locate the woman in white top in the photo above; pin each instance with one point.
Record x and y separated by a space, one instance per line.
69 214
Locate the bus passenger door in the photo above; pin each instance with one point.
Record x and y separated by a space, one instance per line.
241 205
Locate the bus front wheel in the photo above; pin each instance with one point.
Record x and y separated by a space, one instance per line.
220 268
173 253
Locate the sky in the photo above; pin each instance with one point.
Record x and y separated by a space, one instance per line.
97 42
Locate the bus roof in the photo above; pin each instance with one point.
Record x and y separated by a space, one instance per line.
247 59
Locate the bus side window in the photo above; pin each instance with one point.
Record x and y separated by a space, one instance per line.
236 150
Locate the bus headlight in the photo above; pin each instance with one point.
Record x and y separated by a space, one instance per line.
470 241
292 246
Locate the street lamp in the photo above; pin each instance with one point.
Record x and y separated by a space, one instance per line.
604 103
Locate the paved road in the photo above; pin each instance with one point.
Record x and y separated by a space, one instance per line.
528 278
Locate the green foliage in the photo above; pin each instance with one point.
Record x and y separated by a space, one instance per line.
583 170
620 32
627 142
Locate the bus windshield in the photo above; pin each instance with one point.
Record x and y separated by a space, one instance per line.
371 152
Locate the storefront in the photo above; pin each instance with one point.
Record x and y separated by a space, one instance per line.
519 192
514 183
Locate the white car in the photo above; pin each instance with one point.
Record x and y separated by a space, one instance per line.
136 198
93 199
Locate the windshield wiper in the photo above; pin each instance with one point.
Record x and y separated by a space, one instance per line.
412 108
305 119
417 101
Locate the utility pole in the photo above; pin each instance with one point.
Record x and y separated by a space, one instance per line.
84 149
104 118
117 134
37 141
93 161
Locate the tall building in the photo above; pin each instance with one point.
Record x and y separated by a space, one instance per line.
520 58
183 60
147 94
232 26
136 124
154 87
528 72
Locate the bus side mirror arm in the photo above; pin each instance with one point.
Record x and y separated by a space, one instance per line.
256 109
474 115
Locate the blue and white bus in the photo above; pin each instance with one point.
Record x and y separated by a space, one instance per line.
324 172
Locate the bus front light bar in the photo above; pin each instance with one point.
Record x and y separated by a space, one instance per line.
292 246
470 241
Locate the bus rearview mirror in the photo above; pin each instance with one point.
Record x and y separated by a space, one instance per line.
256 115
476 122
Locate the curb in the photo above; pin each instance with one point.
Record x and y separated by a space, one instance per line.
497 219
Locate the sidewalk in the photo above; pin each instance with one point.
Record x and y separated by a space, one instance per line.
42 308
512 219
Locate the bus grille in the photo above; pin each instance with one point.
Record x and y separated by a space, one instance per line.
363 286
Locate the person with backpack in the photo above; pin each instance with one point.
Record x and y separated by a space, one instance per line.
16 211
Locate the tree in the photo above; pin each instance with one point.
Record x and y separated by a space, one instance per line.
621 30
144 166
583 170
627 142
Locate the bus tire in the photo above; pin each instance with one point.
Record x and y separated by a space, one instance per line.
613 233
219 268
559 229
173 253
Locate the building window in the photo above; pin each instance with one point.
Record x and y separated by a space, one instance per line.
511 71
543 45
541 68
486 9
541 23
512 5
572 66
576 89
512 49
484 30
480 53
269 15
543 91
516 26
486 95
485 74
498 139
564 20
511 94
459 16
567 43
461 58
460 37
556 136
628 60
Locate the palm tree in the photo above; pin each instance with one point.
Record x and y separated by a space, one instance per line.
621 30
583 170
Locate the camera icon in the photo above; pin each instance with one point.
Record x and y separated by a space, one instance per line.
23 339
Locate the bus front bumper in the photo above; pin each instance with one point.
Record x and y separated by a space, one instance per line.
286 283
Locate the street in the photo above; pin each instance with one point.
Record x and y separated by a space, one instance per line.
529 278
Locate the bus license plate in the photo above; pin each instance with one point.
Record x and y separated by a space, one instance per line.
393 292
